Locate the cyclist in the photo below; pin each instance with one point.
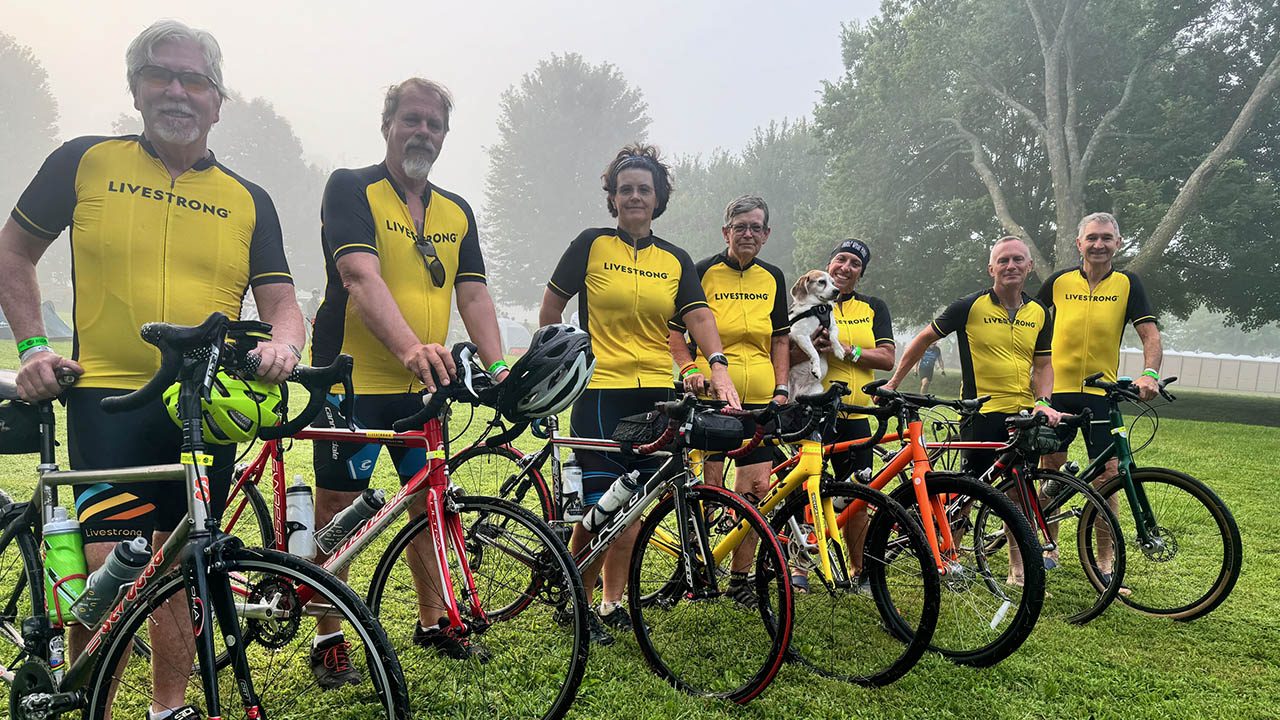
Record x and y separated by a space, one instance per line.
161 231
931 359
398 249
632 285
748 297
1005 342
864 327
1091 304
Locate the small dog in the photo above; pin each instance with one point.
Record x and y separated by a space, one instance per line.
814 289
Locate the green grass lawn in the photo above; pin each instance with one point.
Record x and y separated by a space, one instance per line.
1121 665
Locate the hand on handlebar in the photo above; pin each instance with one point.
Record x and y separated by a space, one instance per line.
696 383
1147 387
1051 416
429 363
38 378
276 361
722 386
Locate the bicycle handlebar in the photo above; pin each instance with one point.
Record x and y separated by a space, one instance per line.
1022 422
913 400
1124 387
317 381
464 388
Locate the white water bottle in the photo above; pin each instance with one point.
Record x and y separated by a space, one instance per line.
300 519
617 494
571 489
330 537
123 566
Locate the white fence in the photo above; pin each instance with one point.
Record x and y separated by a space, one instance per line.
1232 373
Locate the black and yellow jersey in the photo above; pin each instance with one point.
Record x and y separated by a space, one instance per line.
365 210
146 247
997 350
1088 324
861 321
630 292
750 305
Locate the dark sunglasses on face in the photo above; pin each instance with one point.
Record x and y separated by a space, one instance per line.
427 249
192 82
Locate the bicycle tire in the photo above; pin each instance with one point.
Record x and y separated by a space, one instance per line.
868 636
278 650
1079 591
531 598
15 600
492 471
677 627
262 532
1175 578
975 625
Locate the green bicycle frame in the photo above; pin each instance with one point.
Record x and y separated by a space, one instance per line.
1144 517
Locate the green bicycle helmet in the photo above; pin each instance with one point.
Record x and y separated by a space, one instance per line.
236 409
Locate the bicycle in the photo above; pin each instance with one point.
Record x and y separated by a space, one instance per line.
510 584
985 614
243 605
691 631
1185 547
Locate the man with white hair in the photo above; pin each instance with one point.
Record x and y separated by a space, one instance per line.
161 231
398 249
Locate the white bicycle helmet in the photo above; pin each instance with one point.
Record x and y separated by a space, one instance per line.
550 376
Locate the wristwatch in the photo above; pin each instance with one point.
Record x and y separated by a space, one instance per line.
717 359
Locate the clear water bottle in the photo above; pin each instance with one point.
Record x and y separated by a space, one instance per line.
617 494
123 566
330 537
64 568
571 489
300 519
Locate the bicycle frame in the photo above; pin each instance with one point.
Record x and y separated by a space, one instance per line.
1144 516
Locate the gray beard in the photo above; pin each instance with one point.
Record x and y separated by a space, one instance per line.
176 135
417 166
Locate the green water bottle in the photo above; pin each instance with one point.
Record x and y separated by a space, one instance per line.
64 567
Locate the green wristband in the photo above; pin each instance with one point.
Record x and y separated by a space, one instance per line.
1152 374
857 352
31 342
691 371
498 365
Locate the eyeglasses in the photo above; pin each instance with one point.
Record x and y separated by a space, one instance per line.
158 77
742 228
427 249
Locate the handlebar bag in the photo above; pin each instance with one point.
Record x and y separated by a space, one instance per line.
714 431
19 428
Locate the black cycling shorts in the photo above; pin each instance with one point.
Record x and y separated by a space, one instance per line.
845 464
596 415
1097 436
97 440
926 369
348 466
983 427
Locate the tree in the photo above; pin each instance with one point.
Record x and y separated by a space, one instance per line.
781 163
259 145
557 129
960 119
28 118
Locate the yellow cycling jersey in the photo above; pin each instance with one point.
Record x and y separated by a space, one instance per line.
997 349
1088 324
630 292
146 247
365 211
861 321
750 305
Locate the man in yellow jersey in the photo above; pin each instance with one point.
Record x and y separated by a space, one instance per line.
398 249
1091 305
160 231
1004 338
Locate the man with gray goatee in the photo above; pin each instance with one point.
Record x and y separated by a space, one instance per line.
161 231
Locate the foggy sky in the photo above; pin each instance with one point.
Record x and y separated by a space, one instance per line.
710 71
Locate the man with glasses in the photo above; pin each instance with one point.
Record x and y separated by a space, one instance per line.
398 249
160 231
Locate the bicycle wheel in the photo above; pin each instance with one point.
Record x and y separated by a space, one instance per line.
700 639
986 612
277 632
873 627
1089 564
248 517
15 601
1193 560
495 472
531 619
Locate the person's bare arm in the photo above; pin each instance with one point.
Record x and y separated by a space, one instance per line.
1042 386
361 276
702 328
278 306
912 354
475 306
552 310
695 382
20 298
1152 357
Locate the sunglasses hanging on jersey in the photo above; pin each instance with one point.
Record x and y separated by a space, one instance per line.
428 251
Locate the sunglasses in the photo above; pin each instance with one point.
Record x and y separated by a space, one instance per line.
427 249
158 77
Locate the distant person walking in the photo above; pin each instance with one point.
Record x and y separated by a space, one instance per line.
931 359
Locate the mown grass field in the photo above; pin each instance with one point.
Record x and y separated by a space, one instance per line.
1122 665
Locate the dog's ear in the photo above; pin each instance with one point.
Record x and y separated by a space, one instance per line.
800 290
